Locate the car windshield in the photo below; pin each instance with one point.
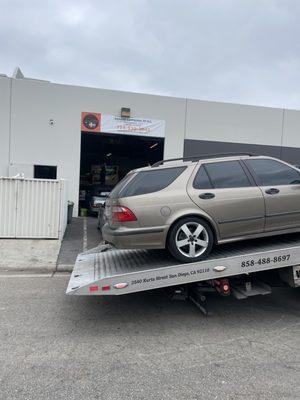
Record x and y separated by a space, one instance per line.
99 191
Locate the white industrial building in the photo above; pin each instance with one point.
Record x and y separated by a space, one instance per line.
52 130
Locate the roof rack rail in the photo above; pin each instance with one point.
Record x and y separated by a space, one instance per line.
202 157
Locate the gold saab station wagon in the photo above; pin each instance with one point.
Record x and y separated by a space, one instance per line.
187 205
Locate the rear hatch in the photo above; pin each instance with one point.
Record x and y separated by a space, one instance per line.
133 195
113 201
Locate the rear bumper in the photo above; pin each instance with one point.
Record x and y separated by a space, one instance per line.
135 238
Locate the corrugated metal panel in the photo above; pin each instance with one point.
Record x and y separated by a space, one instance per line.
38 209
63 207
8 199
32 208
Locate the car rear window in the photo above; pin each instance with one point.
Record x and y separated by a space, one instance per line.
117 189
149 181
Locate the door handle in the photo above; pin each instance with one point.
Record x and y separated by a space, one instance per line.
206 196
272 191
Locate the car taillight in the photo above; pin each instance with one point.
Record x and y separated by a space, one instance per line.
122 214
94 288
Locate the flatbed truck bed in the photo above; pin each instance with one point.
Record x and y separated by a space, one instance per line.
118 272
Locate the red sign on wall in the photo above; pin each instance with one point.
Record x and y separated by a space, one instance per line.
90 122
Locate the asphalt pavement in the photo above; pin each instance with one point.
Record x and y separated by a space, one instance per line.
81 235
144 346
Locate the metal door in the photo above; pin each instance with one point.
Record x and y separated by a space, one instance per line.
280 185
237 211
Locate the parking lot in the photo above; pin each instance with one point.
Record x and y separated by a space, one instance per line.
144 346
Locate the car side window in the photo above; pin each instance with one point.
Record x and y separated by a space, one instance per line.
227 174
201 180
272 172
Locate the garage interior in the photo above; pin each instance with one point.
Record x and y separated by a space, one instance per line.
107 158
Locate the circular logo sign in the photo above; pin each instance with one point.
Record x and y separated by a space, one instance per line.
90 121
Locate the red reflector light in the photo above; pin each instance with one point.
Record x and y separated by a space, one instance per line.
122 214
225 288
94 288
104 288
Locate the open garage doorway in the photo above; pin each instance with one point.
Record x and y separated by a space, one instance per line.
107 158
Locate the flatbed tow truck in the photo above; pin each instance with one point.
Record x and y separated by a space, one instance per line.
241 269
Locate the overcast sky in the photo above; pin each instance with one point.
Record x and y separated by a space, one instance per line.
245 51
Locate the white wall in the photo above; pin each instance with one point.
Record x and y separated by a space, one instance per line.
34 141
291 137
4 124
233 123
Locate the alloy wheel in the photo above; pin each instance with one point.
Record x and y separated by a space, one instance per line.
192 239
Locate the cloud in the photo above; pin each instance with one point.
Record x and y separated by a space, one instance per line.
226 50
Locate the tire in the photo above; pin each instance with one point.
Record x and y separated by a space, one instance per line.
186 244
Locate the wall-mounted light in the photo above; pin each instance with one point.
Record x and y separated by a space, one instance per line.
51 122
154 145
125 112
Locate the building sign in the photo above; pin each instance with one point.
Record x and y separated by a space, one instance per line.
90 122
96 122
